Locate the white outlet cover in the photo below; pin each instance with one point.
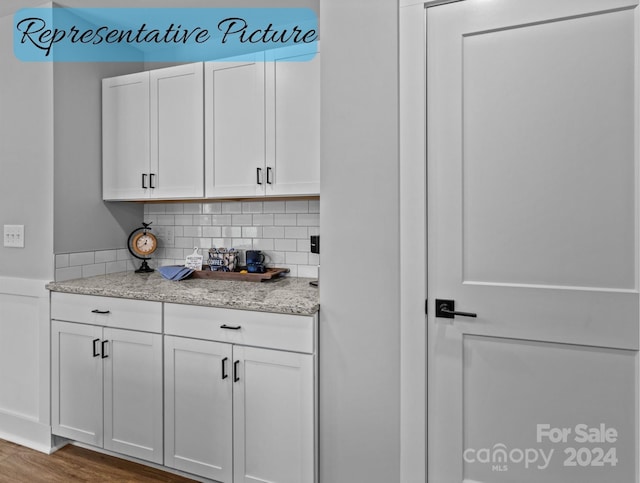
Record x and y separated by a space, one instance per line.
14 236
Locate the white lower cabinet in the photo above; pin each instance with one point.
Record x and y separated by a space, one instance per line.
107 382
230 395
234 413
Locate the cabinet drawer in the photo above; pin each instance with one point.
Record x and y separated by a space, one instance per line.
107 311
261 329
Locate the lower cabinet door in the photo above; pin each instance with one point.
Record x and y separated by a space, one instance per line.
198 407
76 382
133 393
273 414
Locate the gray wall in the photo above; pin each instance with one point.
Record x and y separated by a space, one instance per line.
26 160
359 276
82 221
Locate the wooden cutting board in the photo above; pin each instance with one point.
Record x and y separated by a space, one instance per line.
270 274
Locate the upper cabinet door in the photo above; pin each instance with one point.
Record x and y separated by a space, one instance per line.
235 127
177 150
293 121
125 136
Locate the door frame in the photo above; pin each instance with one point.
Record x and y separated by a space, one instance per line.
413 238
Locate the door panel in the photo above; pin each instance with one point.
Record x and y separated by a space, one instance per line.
235 127
133 394
177 150
273 416
512 384
532 224
125 136
198 407
76 382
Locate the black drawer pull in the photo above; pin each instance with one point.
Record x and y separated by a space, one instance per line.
259 175
95 349
231 327
269 175
104 352
144 181
236 378
151 175
96 311
224 368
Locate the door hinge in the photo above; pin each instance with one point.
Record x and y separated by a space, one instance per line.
426 306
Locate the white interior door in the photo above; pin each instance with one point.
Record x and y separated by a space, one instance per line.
532 225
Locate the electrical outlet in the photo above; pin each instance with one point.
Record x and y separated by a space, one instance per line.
14 236
315 243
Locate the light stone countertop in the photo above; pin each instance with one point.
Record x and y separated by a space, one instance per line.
287 295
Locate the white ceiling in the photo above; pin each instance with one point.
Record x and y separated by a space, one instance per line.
8 7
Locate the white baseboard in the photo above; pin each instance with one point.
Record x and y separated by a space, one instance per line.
26 432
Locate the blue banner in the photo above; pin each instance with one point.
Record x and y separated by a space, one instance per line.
158 34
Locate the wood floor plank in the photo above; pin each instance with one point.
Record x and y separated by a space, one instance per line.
74 464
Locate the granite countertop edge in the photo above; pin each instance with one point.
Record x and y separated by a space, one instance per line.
289 295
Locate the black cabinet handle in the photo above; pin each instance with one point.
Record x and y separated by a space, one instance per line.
95 350
144 180
103 312
151 180
236 378
224 368
268 175
231 327
104 352
259 175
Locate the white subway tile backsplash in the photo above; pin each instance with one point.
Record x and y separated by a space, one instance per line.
252 207
62 261
106 256
231 232
265 244
273 232
296 232
193 231
308 219
263 219
297 206
251 232
211 231
286 245
314 206
166 220
285 220
274 207
233 208
212 208
297 258
201 219
93 270
220 220
68 273
241 220
82 258
279 228
192 208
183 220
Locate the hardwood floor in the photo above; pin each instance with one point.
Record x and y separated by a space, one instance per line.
73 464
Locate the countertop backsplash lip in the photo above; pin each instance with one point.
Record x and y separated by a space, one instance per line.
288 295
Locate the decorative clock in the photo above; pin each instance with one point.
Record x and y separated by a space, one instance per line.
141 244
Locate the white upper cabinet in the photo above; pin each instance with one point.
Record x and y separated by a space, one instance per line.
262 125
177 151
152 134
125 136
293 122
235 127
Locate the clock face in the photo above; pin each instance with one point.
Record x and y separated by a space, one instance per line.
144 244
